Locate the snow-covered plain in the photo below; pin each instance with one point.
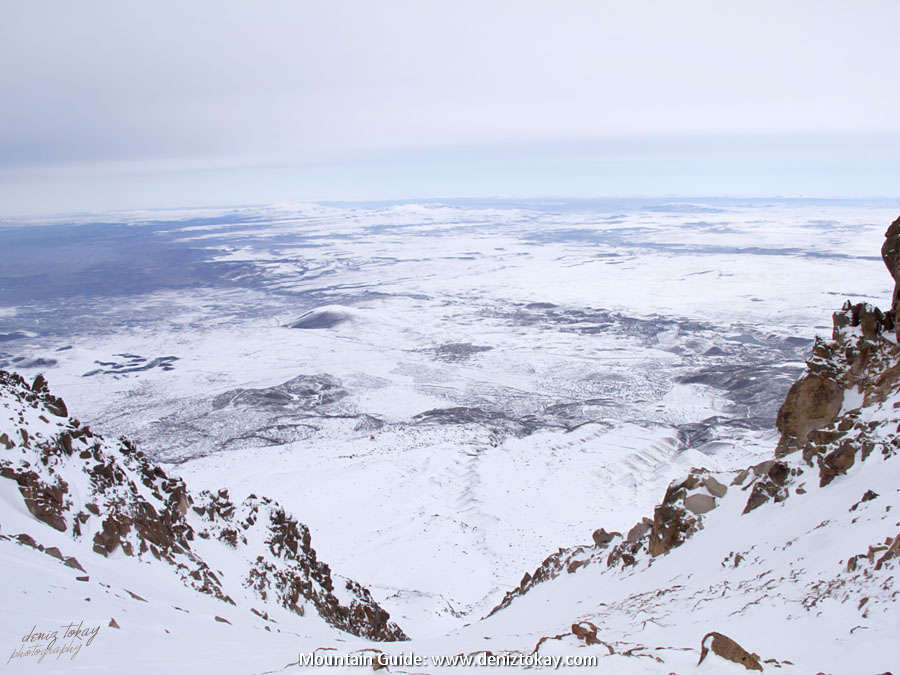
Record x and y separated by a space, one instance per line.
443 392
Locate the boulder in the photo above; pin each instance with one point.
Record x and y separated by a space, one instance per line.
699 503
890 253
602 537
812 402
714 487
74 564
870 320
639 530
56 406
771 484
586 632
726 648
836 462
671 526
44 501
39 384
892 552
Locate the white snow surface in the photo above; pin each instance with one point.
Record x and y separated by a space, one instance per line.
517 311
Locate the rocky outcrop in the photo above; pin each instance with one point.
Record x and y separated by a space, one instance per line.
863 359
811 403
770 479
674 521
726 648
601 537
859 361
107 493
890 253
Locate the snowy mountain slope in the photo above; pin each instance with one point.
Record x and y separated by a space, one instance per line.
500 381
100 510
806 542
164 627
795 558
551 409
838 414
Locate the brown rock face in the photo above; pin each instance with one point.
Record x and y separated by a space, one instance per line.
859 366
892 552
45 501
56 406
586 632
39 384
699 503
772 476
671 526
858 357
836 462
714 487
601 537
639 530
725 647
109 538
812 402
890 253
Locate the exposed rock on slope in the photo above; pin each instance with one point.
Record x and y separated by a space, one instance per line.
859 364
890 252
832 480
109 494
845 408
674 521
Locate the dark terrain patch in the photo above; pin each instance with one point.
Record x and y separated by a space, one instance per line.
458 351
756 390
304 392
317 320
36 363
495 420
131 363
9 337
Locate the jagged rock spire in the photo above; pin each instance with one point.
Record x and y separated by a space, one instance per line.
890 253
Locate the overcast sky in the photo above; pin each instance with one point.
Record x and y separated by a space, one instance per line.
100 96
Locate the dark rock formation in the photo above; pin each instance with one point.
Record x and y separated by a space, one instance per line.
859 359
812 402
725 647
890 253
852 359
586 632
771 477
862 363
601 537
303 392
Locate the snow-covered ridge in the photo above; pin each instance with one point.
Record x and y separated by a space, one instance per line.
107 496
